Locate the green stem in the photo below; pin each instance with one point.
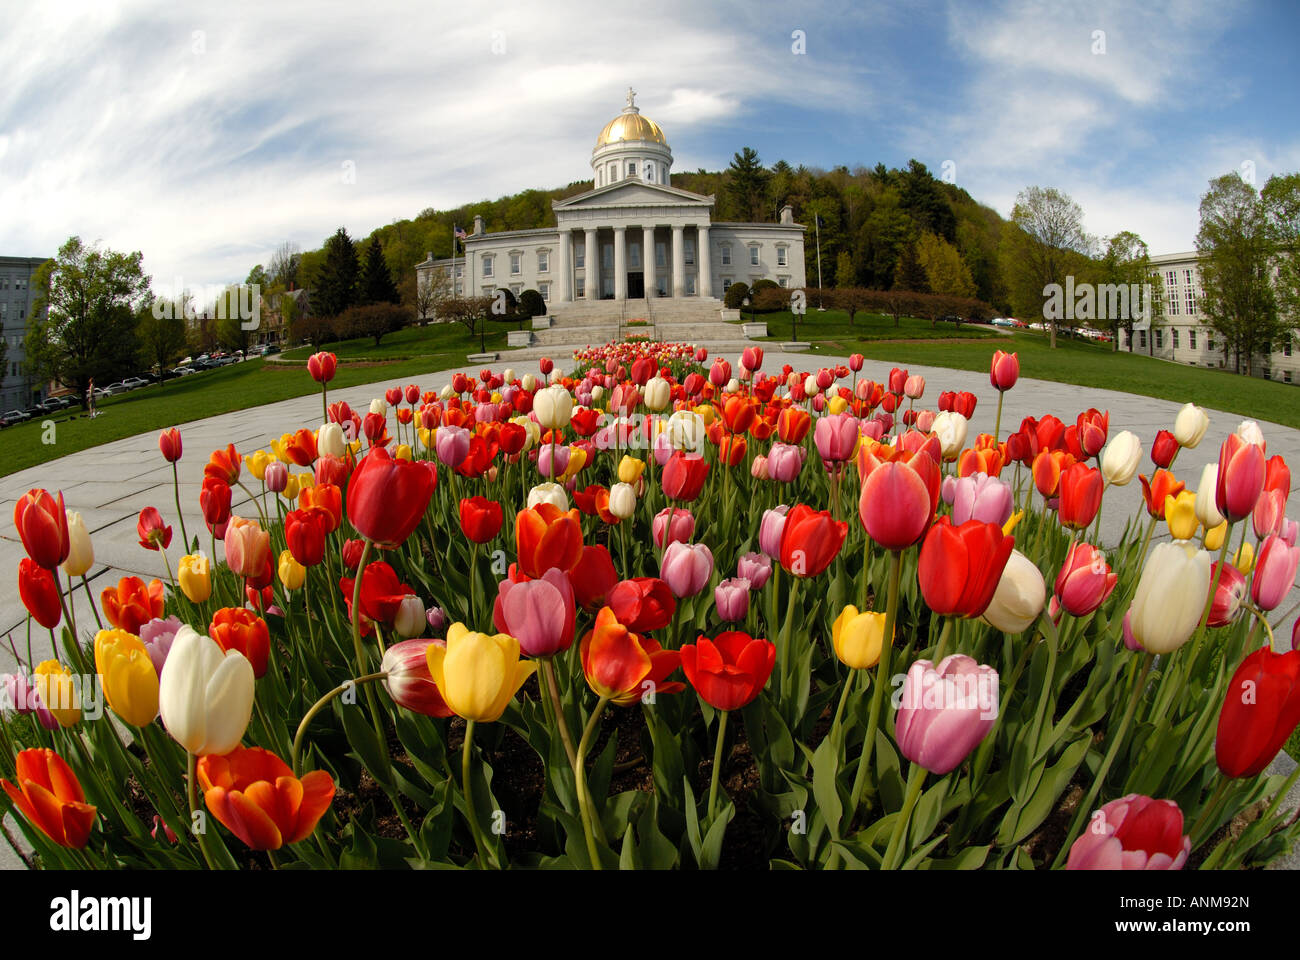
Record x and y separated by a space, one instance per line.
580 777
468 788
997 426
359 650
192 794
717 761
553 688
1207 812
317 707
915 780
176 489
882 680
944 636
89 596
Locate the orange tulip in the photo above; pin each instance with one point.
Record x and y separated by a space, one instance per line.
1162 485
792 424
622 666
238 628
301 447
50 797
327 498
547 537
224 465
131 604
255 796
1048 466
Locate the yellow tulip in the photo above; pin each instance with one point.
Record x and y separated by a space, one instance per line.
128 675
577 460
857 637
630 469
54 687
496 396
195 576
1012 520
290 491
1244 559
280 448
1214 536
478 674
306 480
706 412
403 452
837 405
257 461
426 437
1180 515
292 573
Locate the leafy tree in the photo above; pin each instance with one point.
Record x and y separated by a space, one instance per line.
285 264
259 277
746 187
336 280
162 336
844 275
1281 198
946 273
1125 264
376 282
84 324
374 320
1042 244
1235 248
909 274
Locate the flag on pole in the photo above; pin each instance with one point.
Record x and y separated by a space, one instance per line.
460 234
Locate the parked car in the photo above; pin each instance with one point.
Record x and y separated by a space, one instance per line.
133 383
183 371
272 348
15 416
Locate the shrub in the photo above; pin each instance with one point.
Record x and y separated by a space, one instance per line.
531 304
735 296
374 320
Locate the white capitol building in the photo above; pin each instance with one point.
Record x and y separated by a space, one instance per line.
633 235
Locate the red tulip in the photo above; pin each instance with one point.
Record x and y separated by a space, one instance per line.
131 604
51 798
1260 711
684 476
642 604
1132 833
1242 471
1004 370
304 534
301 447
1154 491
480 518
793 424
214 501
811 540
42 523
593 577
1163 449
1229 591
153 534
959 567
387 498
1084 581
381 594
40 593
964 403
169 444
898 500
1080 492
321 366
224 465
1093 427
730 670
236 628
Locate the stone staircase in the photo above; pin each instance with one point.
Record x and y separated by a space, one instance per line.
674 320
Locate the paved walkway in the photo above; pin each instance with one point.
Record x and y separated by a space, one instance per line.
112 483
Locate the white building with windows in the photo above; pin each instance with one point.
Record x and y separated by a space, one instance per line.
631 236
1183 335
17 306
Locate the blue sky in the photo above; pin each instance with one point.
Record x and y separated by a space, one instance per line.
205 135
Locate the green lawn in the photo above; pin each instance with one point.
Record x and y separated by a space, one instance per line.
1083 362
237 387
833 328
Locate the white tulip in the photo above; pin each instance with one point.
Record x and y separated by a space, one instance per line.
733 386
686 431
1249 432
1207 504
410 621
1120 459
596 393
446 393
810 387
950 427
1190 426
205 694
330 441
508 374
380 406
658 394
1170 596
528 382
622 500
81 553
1020 595
552 493
553 407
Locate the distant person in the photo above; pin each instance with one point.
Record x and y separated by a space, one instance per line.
90 397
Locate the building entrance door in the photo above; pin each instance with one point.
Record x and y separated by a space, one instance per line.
635 285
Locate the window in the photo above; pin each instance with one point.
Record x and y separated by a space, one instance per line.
1287 376
753 256
725 254
582 288
543 261
516 264
781 257
1160 339
783 281
690 252
1191 339
580 255
631 168
649 172
1286 348
634 255
545 290
661 255
460 288
1209 343
1171 293
460 270
1142 338
607 256
613 171
1174 337
487 266
1191 301
690 284
661 283
488 290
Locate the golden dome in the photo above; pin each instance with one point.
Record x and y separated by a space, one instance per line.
630 125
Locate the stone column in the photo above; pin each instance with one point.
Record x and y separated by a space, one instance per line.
703 261
620 263
648 259
563 273
679 261
593 264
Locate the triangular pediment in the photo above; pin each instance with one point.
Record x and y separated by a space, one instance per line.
632 193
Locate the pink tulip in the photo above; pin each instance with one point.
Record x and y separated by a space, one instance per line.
1241 478
945 712
1084 581
980 497
855 362
836 437
825 378
553 460
538 613
758 469
1130 641
1132 833
895 506
752 358
720 372
686 568
770 530
914 387
731 597
784 461
451 445
873 429
276 476
1269 512
925 420
1290 531
756 568
409 682
672 526
1228 595
1275 569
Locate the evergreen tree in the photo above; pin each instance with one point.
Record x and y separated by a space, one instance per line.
336 279
909 274
844 276
746 186
377 284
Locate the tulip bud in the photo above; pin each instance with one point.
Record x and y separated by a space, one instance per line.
1207 510
195 575
1244 558
205 694
1019 597
756 568
1180 515
622 500
1170 596
276 476
1249 432
330 441
1190 426
686 568
1275 571
945 711
292 574
1229 593
1132 833
553 407
410 620
731 597
950 427
81 554
1120 460
408 681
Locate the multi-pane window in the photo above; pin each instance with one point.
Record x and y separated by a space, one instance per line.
1160 339
1190 292
487 266
545 290
516 264
725 253
1191 339
516 289
783 281
1171 293
781 256
580 256
753 256
1142 339
1209 343
690 284
543 262
661 255
582 288
690 251
607 257
1174 337
634 255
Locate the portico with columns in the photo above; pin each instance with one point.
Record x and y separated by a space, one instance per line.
632 236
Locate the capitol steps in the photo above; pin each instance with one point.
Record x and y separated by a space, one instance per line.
674 320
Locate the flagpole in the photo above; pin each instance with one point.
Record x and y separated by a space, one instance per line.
818 221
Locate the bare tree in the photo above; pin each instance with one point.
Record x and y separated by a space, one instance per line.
1044 239
284 265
